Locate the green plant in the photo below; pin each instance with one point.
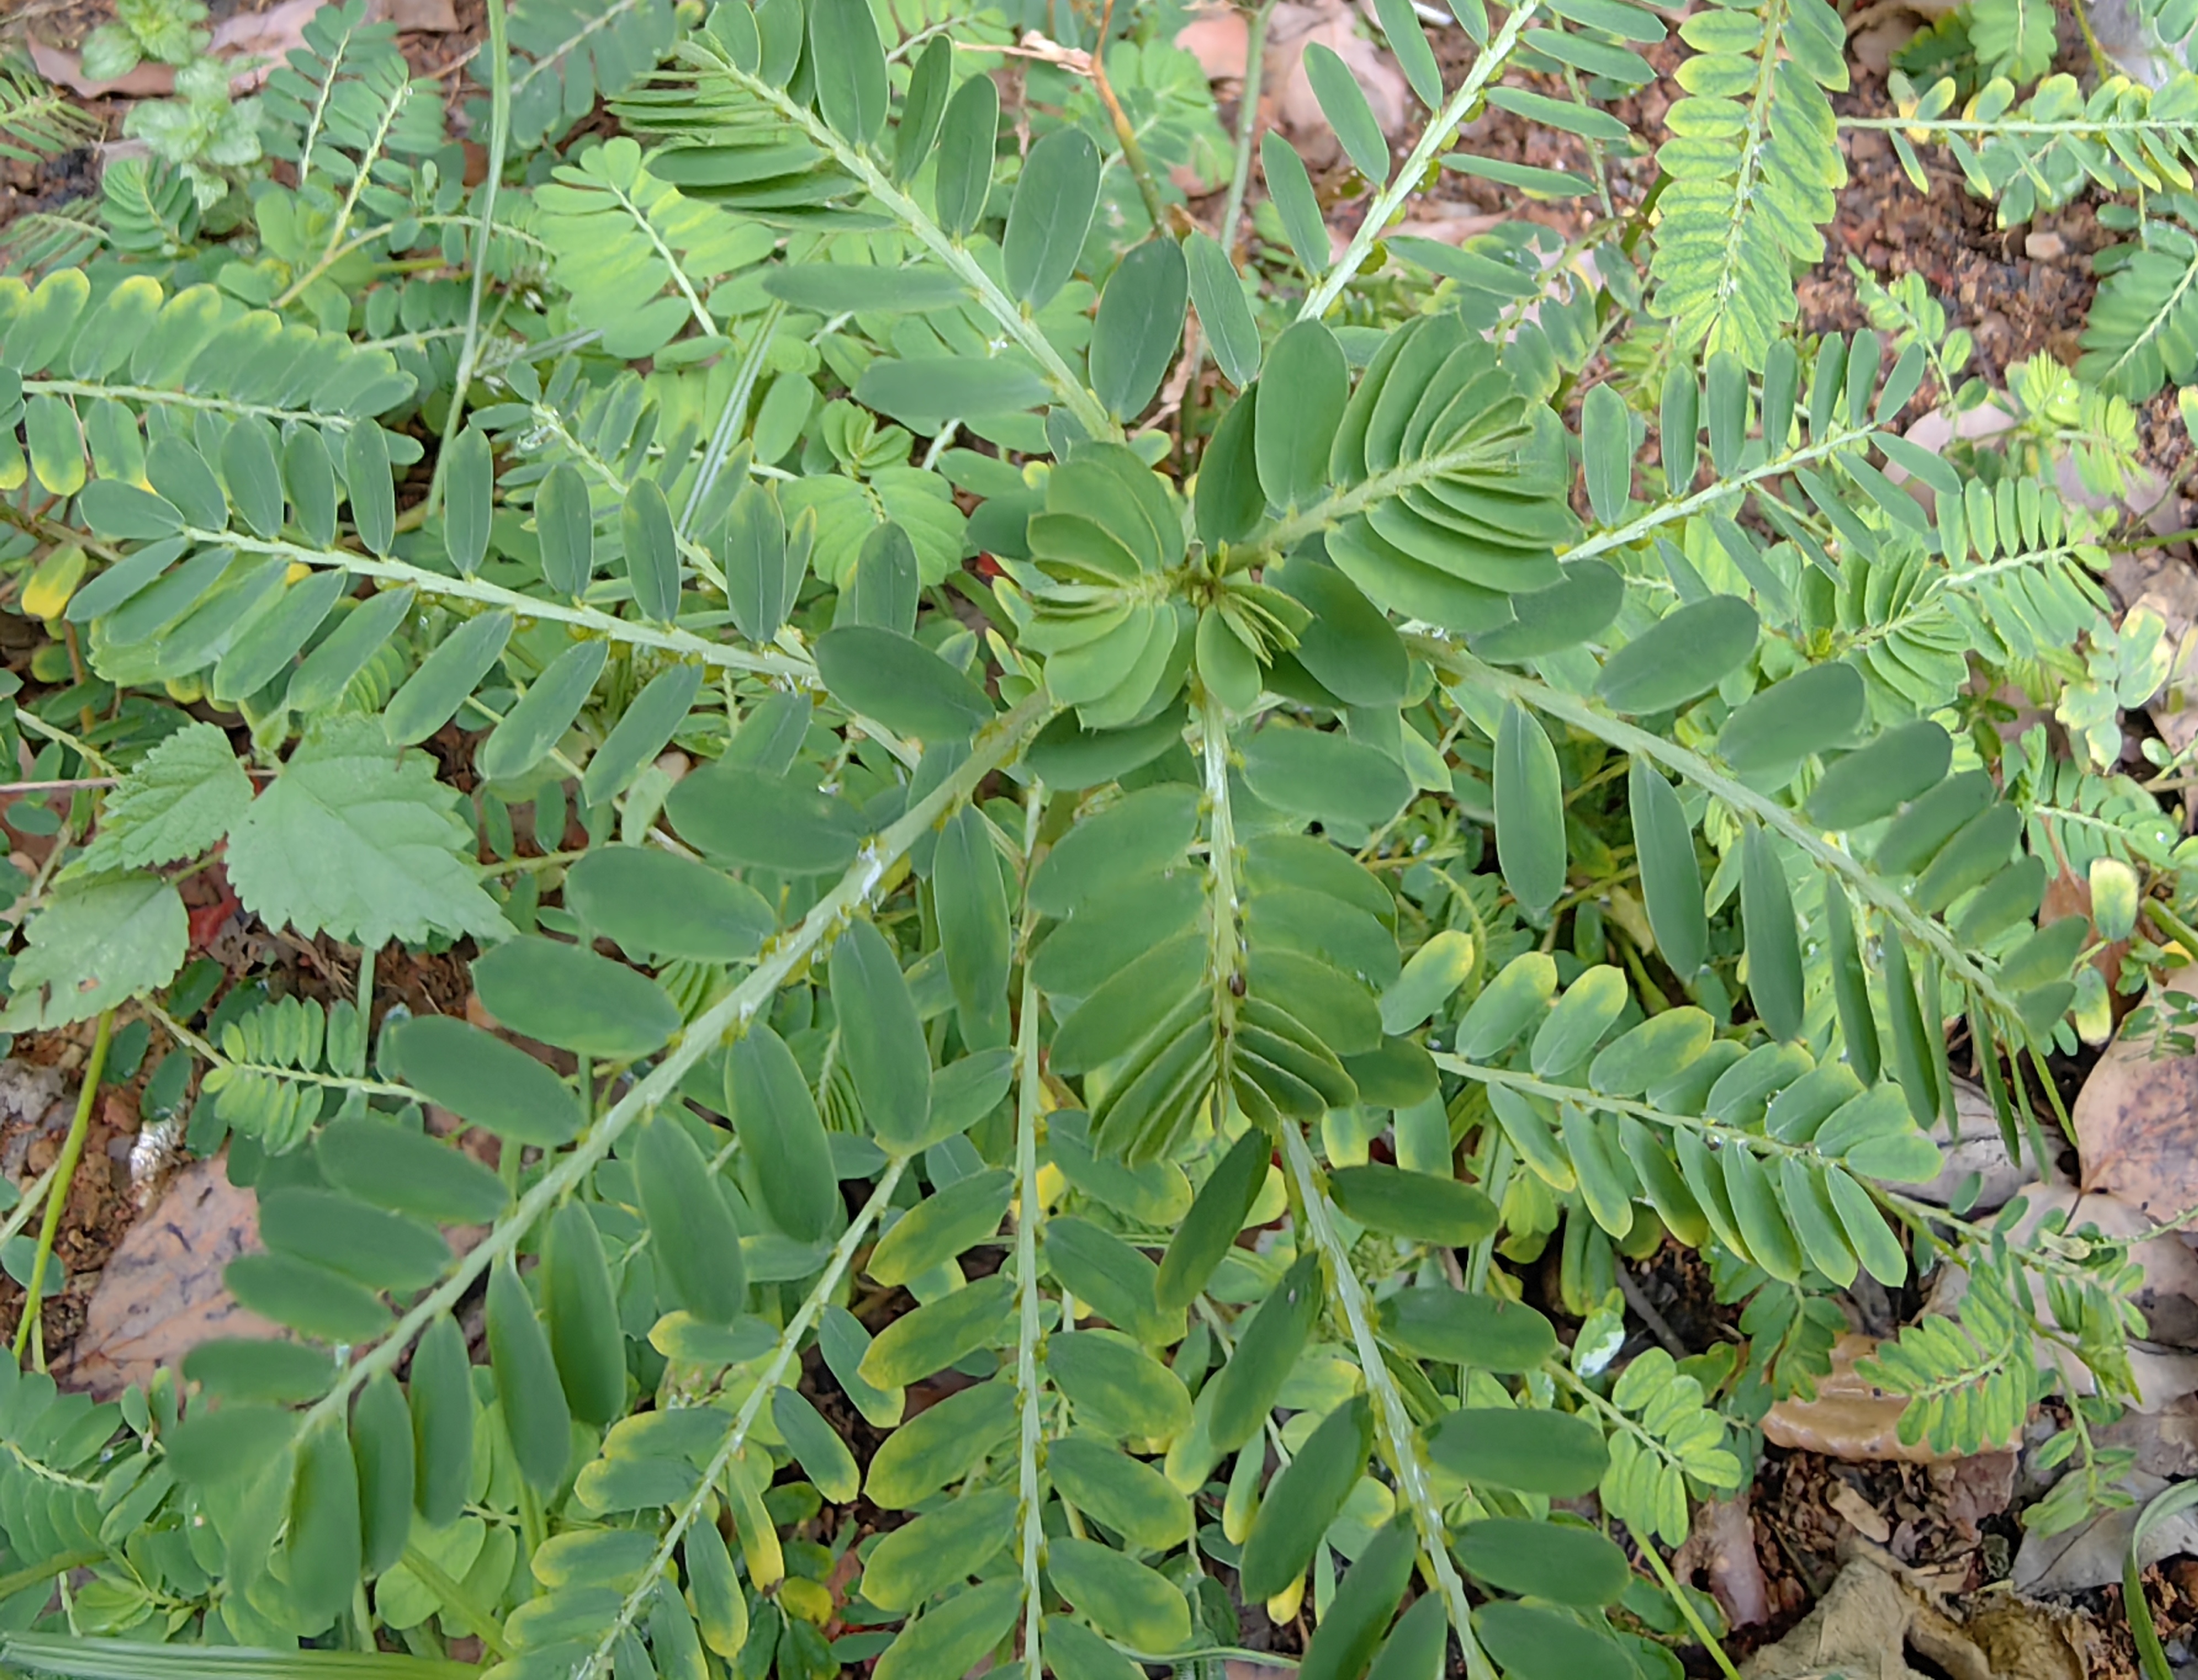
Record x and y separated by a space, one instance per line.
203 134
953 835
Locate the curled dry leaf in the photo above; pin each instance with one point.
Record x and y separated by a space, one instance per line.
1850 1418
1865 1626
162 1294
1722 1545
2137 1124
2090 1555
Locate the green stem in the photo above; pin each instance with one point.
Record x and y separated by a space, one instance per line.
1686 1608
21 1580
994 747
1014 321
1030 1214
729 421
1919 1217
1227 957
737 1436
206 1051
1248 125
1880 894
64 1175
664 638
1441 130
1285 534
499 143
54 732
1395 1423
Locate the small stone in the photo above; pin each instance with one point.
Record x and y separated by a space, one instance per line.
44 1152
2045 247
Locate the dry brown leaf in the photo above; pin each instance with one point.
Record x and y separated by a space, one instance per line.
1979 1148
1975 1490
161 1293
1722 1545
2137 1124
436 17
1850 1418
1865 1518
2090 1555
1218 38
1861 1629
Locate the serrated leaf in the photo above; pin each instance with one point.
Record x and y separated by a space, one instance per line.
97 943
357 840
178 802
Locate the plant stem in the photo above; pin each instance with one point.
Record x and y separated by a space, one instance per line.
1227 957
432 1576
992 747
1285 534
1686 1608
1874 890
1029 1214
499 142
1441 129
1394 1422
1248 125
737 1436
1014 320
1133 154
21 1580
729 422
664 638
64 1175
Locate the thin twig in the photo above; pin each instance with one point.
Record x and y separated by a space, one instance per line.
1133 154
499 142
1645 1310
1247 124
1029 1214
1393 1421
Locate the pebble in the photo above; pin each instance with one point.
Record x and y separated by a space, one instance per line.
2045 247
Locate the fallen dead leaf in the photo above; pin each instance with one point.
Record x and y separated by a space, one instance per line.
1850 1418
1863 1628
1219 39
1975 1489
161 1293
1297 110
437 17
1722 1545
1979 1148
2137 1122
1865 1518
2090 1555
